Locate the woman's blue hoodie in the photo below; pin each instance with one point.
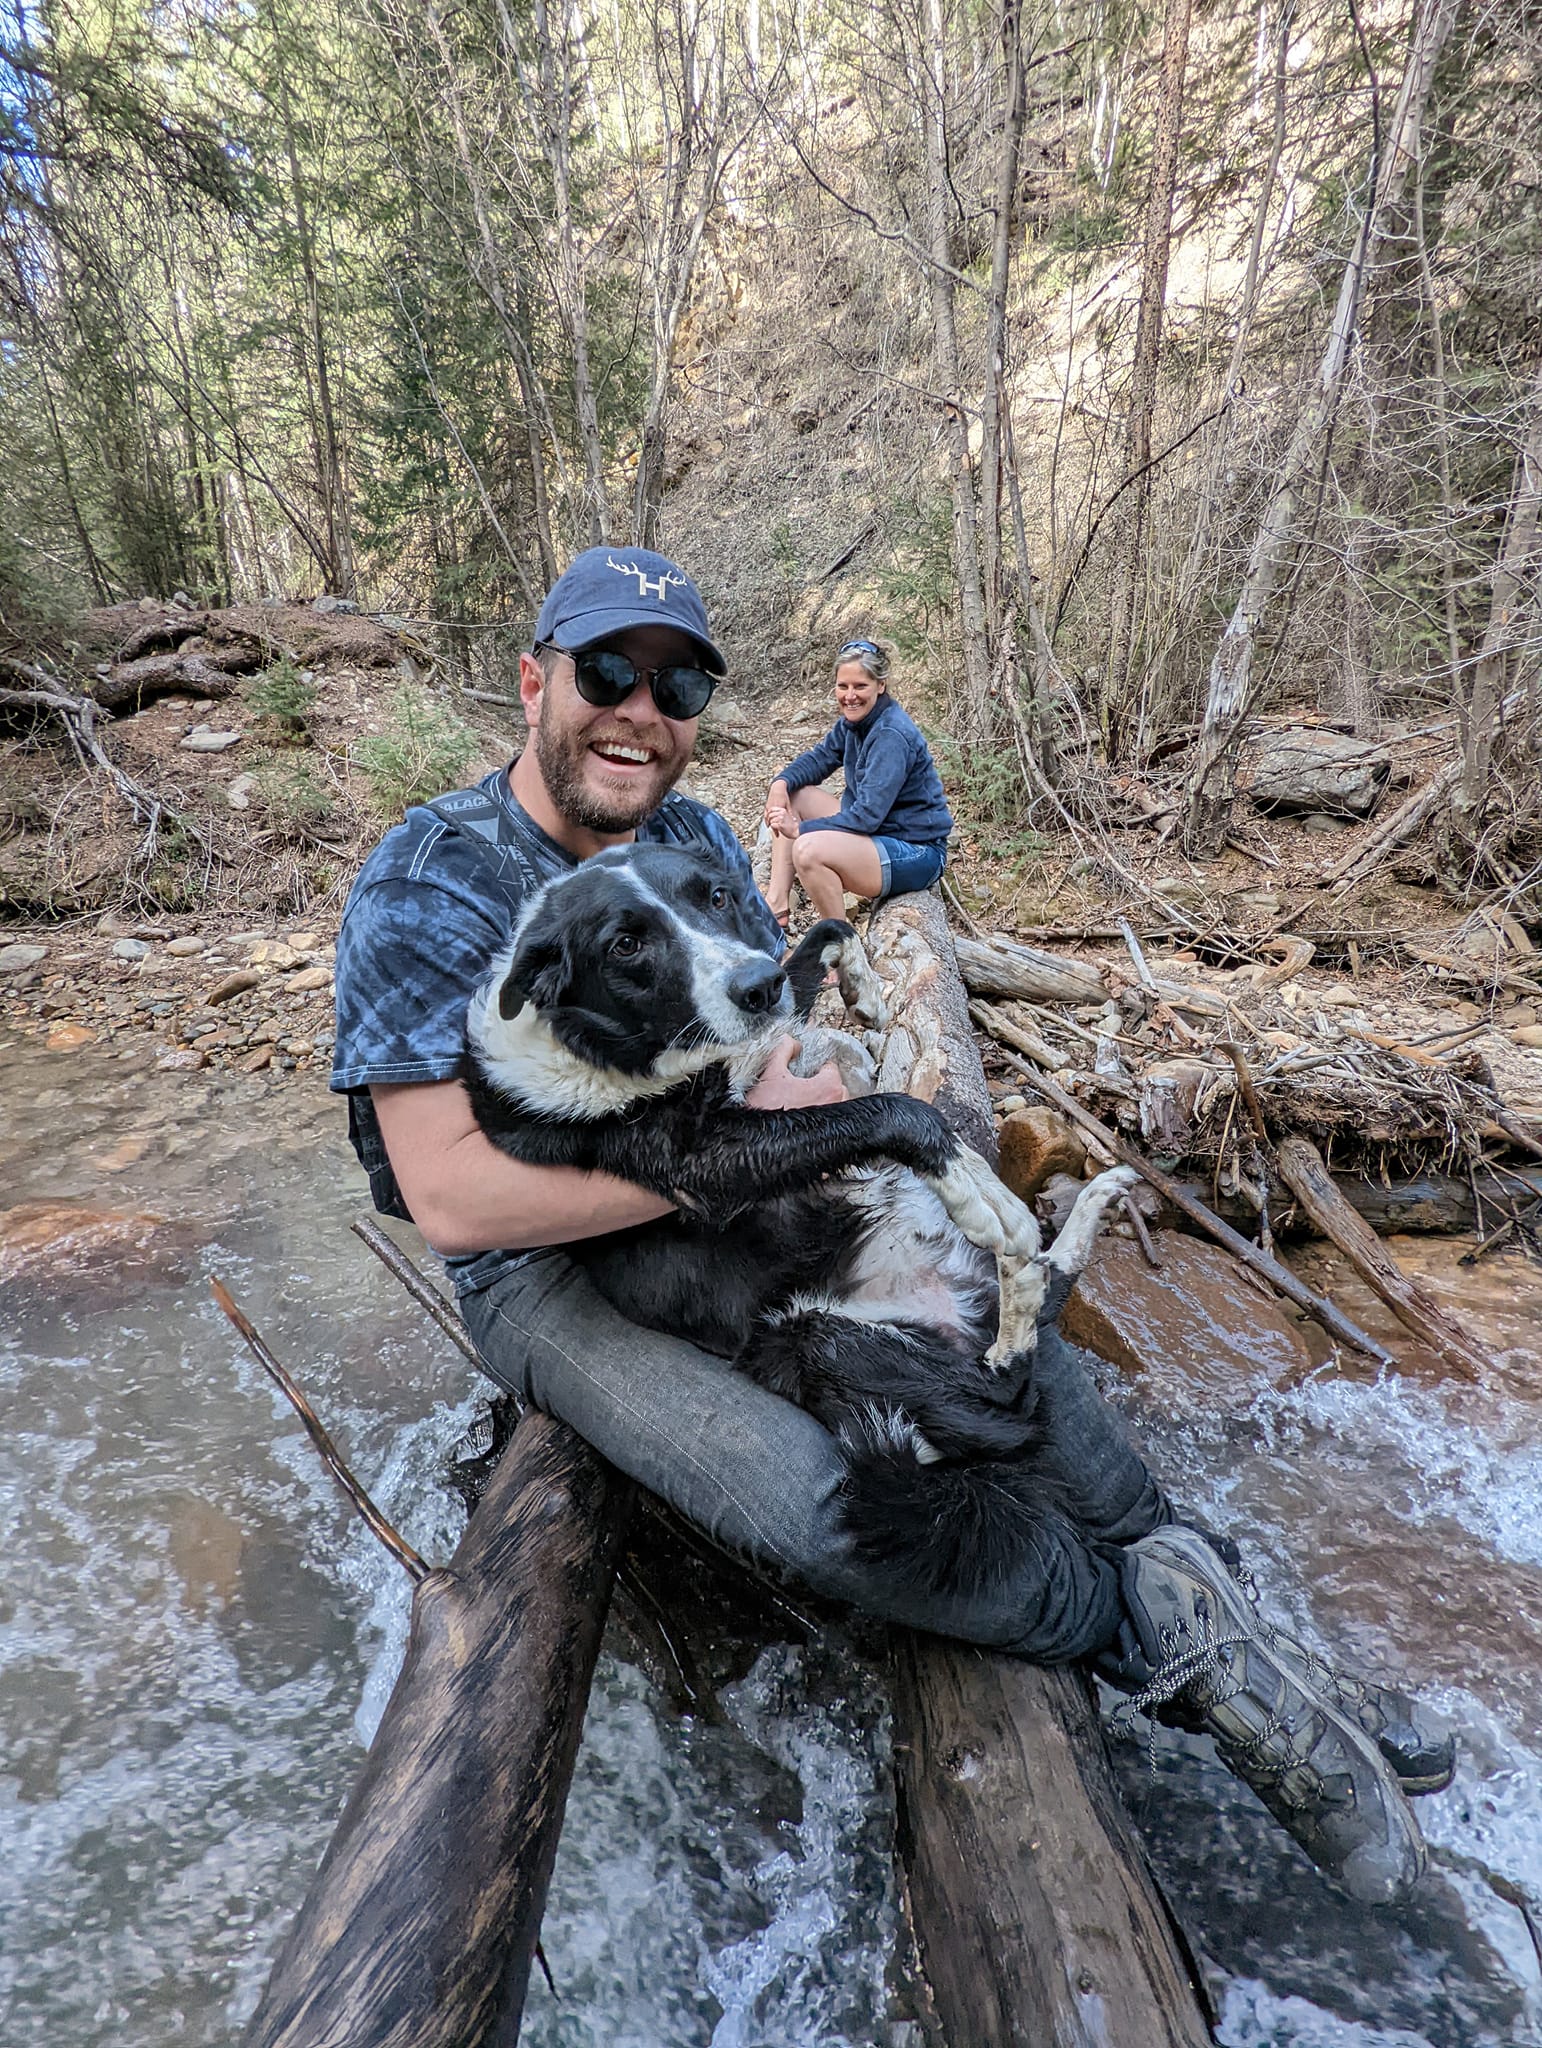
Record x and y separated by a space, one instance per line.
892 786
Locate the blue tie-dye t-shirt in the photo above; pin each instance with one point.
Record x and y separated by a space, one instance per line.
432 905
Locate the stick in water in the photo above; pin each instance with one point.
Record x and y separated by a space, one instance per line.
423 1291
331 1457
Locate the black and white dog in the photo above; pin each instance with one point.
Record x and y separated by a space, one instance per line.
840 1255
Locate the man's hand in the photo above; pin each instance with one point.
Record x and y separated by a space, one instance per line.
779 1089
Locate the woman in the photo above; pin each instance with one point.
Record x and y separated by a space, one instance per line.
890 829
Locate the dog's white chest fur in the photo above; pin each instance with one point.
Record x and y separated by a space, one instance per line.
912 1265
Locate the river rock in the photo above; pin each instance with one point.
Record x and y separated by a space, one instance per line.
129 949
1192 1333
185 949
1528 1035
233 985
181 1058
273 953
204 740
1304 768
303 942
239 793
256 1060
1034 1143
42 1238
68 1037
308 980
20 959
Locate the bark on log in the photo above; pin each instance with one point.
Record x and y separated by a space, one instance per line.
1038 1917
419 1928
127 686
1304 1173
1036 1913
1005 967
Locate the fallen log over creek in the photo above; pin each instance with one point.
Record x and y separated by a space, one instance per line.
420 1926
1035 1910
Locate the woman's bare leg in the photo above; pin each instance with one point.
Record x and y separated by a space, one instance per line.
812 802
830 863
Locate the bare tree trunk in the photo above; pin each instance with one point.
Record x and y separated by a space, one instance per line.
992 449
555 43
94 567
1514 626
1230 693
1130 539
966 530
700 149
514 328
334 497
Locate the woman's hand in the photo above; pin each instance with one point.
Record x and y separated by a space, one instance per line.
778 815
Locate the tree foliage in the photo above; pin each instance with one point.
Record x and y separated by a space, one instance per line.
413 301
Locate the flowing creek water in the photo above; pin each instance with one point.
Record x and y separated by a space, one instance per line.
196 1640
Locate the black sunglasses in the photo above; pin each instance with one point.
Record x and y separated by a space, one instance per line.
604 680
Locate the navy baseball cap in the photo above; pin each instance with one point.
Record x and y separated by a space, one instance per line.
606 590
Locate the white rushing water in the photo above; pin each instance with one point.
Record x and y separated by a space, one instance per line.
196 1641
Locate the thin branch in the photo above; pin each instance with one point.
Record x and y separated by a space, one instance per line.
331 1457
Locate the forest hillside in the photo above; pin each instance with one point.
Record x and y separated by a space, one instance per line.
1165 385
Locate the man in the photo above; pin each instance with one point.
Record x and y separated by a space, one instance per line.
622 666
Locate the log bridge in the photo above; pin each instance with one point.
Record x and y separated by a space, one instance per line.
1035 1912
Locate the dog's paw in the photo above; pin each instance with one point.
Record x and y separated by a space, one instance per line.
1022 1290
984 1209
861 990
1074 1247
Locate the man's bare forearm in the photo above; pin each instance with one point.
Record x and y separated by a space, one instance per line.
468 1197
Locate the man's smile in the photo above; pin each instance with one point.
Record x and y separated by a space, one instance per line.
621 754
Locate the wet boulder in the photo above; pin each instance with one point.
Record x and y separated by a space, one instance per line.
1197 1331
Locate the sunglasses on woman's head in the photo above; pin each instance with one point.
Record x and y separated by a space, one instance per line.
604 680
860 647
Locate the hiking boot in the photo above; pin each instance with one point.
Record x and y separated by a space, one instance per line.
1207 1664
1421 1761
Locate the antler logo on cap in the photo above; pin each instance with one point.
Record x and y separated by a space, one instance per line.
655 586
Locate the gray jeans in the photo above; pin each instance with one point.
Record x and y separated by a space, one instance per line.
761 1476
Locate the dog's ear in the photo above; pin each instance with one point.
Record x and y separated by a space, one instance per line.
541 969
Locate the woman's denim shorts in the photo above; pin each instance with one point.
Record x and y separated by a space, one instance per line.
904 866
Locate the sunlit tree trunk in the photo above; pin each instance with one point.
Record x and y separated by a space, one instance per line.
1130 535
966 533
1230 692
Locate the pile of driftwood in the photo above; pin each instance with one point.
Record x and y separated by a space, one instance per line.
1231 1092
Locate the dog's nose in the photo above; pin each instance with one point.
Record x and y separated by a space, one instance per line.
757 987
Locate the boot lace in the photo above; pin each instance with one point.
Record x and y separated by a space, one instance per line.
1191 1658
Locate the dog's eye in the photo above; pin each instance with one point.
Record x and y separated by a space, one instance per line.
625 944
719 899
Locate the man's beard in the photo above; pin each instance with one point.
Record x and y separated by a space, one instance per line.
561 757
